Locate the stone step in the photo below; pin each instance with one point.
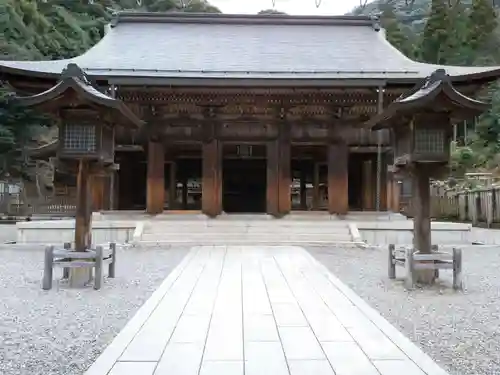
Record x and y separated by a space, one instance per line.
246 237
251 231
248 242
246 231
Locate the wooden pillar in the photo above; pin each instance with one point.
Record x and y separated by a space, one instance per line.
211 200
303 187
83 218
98 192
172 186
422 219
396 195
102 193
115 191
184 182
155 193
390 193
367 187
383 183
285 175
272 193
315 201
83 221
338 194
279 174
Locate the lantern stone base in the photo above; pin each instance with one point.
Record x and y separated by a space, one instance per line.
424 268
80 277
425 277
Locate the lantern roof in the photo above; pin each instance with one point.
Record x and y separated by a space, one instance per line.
74 80
434 94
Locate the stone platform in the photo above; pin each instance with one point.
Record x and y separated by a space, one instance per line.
258 310
356 228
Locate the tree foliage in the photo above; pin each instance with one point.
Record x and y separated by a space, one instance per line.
56 29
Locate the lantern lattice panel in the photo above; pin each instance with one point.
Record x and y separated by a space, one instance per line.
80 138
429 141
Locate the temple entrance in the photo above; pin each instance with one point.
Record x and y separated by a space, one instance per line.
244 185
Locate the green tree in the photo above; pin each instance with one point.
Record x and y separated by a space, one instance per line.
394 30
436 35
18 127
481 24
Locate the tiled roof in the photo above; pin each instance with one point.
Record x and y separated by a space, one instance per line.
193 46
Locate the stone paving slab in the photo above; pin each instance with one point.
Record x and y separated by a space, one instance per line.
258 310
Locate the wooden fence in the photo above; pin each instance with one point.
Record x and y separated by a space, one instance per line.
479 206
15 205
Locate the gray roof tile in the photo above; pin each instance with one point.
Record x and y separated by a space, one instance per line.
256 47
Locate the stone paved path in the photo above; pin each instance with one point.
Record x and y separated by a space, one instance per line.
258 310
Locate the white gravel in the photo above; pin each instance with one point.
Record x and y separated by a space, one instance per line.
459 330
62 331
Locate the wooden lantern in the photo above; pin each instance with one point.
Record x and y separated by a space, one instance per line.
425 138
88 140
422 124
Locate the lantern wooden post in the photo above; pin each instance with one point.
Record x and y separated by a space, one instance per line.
422 220
83 222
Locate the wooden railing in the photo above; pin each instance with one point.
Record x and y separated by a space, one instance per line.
479 206
18 206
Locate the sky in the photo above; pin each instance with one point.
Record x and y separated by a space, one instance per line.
306 7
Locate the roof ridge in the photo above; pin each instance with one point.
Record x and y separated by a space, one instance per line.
249 19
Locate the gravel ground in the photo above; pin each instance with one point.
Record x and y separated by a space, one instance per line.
62 331
459 330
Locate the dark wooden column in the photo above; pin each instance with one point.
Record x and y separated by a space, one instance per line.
315 202
211 200
155 194
368 183
279 174
97 192
303 187
285 170
338 195
172 186
101 191
272 194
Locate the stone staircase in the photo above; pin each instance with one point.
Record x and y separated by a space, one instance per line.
246 229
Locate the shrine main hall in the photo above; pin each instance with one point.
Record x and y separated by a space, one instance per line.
241 113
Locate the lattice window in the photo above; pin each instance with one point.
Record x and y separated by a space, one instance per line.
80 138
429 141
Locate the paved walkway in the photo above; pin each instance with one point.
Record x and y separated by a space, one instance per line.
231 310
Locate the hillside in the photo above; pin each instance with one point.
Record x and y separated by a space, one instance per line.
55 29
